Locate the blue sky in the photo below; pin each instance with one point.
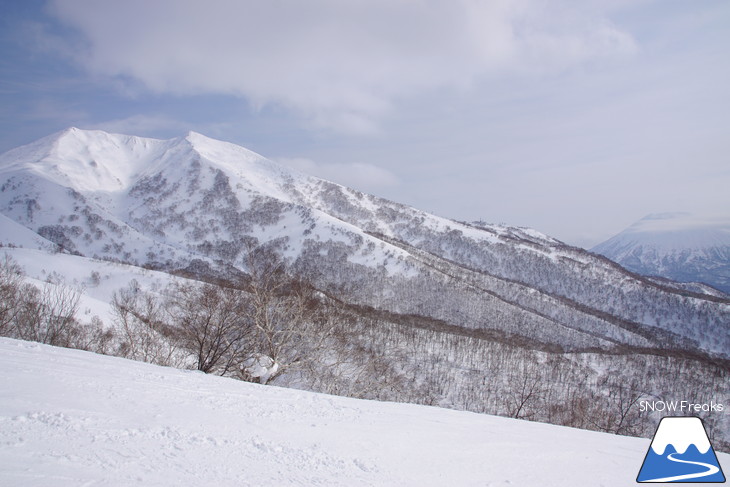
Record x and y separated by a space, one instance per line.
575 118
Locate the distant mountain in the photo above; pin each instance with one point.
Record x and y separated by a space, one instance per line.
675 246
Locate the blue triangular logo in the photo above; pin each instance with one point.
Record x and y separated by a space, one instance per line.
681 452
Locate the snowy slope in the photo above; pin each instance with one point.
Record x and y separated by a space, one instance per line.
79 273
70 418
677 246
12 233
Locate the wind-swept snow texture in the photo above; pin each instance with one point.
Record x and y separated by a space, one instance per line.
72 418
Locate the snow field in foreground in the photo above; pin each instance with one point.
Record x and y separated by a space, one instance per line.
72 418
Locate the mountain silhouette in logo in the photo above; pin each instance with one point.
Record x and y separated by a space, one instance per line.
681 452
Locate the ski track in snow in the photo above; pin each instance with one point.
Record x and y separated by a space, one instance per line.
71 418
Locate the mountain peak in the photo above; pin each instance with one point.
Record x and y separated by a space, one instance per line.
241 162
94 160
192 135
216 150
72 135
85 160
673 231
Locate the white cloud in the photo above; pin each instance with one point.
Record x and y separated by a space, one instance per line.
365 177
339 64
682 221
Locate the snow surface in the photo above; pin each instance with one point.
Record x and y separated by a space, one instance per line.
13 233
71 418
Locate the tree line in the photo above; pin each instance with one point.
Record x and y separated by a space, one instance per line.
255 329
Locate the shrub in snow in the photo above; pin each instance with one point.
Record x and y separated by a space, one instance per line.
259 368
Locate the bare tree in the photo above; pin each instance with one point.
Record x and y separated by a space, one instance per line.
48 315
95 337
11 281
143 333
288 325
212 323
617 411
525 387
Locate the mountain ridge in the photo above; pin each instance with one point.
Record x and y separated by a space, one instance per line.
194 199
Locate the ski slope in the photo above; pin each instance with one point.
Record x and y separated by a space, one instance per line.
72 418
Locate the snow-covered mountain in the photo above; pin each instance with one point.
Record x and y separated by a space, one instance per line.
676 246
71 418
195 205
414 307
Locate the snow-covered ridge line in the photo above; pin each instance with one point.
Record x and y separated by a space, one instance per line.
93 160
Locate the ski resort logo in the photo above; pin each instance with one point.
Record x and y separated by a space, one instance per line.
681 452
